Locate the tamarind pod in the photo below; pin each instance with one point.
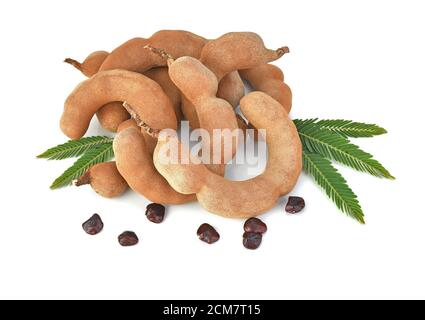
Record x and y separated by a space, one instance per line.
237 50
198 84
135 164
105 180
160 75
111 115
91 64
131 55
242 199
145 95
269 79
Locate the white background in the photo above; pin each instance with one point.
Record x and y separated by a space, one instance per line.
359 60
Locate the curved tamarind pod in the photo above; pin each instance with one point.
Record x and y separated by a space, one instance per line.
135 164
249 198
112 114
269 79
105 179
145 95
131 55
160 75
91 64
198 84
237 50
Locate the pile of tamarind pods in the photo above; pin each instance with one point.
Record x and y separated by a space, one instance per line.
147 85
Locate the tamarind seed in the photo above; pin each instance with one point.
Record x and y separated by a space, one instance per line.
93 225
252 240
128 238
255 225
295 204
207 233
155 212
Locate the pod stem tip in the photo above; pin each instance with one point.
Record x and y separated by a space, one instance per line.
84 179
281 51
73 62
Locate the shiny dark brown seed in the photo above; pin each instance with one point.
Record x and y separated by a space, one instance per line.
94 225
207 233
252 240
255 225
155 212
294 205
128 238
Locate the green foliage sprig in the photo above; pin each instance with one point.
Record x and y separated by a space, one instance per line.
334 146
348 128
335 186
74 148
326 140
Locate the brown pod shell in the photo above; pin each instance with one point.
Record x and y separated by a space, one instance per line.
145 96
